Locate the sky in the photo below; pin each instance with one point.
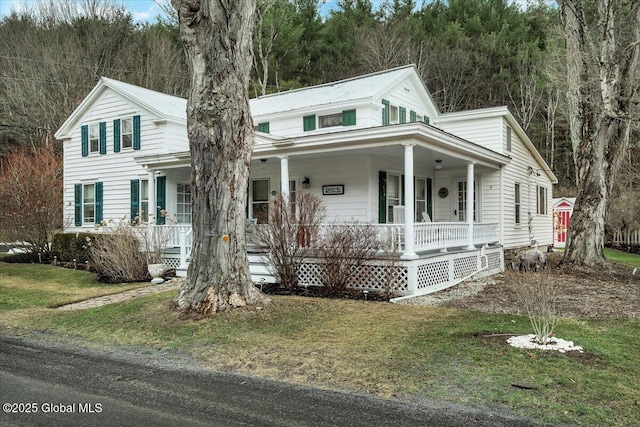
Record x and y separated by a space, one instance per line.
141 10
148 10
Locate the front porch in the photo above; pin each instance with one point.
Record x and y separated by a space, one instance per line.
443 255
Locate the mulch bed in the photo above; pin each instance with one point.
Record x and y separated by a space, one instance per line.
604 293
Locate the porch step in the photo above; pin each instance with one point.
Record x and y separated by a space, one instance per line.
258 267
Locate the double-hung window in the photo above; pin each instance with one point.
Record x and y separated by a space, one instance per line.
94 138
183 212
542 200
127 133
89 203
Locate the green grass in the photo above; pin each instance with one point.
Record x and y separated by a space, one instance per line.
384 349
24 286
621 257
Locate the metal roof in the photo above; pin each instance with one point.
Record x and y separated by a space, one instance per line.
356 88
162 104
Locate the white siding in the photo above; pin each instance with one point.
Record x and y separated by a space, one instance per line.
486 132
518 172
114 170
348 171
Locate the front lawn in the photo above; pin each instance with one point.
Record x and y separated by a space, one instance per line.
409 352
621 257
24 286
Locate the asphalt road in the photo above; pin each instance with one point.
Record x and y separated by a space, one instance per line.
71 386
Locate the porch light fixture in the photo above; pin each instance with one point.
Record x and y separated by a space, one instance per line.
306 182
438 164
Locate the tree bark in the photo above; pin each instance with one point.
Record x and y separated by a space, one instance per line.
601 112
217 37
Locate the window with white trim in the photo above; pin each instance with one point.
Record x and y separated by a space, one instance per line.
94 138
330 120
542 200
394 194
144 200
393 116
89 203
127 133
183 210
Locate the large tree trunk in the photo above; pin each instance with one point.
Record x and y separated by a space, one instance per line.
601 110
217 37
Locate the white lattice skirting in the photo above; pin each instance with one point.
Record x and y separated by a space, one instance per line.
415 277
406 277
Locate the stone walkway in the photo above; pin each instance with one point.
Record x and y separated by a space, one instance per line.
122 296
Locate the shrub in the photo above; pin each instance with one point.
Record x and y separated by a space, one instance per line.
118 258
287 236
538 296
70 246
345 249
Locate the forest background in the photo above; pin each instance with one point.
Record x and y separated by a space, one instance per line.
470 54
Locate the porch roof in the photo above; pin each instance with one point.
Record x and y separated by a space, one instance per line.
373 140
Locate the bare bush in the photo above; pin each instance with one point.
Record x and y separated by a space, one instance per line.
344 250
117 257
30 198
123 253
288 234
537 294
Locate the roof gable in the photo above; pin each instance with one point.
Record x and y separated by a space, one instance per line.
359 89
158 104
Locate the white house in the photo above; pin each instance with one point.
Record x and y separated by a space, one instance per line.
375 148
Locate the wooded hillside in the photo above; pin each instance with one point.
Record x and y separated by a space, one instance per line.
470 53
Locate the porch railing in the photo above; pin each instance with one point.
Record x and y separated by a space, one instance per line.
427 236
441 235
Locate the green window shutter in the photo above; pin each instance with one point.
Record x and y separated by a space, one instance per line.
403 115
103 137
136 132
135 200
349 118
84 132
385 113
382 197
309 122
98 202
161 194
116 136
426 120
263 127
412 116
77 199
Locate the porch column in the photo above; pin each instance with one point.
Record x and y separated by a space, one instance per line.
470 197
409 250
284 176
151 187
